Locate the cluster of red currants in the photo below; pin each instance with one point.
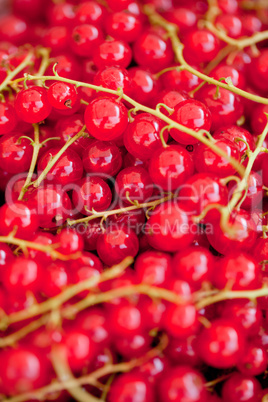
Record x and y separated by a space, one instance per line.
116 142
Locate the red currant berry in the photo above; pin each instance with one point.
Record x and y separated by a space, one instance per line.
225 107
78 348
171 99
91 193
62 95
32 104
106 118
19 216
22 275
241 233
70 241
200 46
133 184
57 38
233 133
131 386
123 26
67 170
208 161
113 78
85 38
104 157
245 313
240 387
142 136
202 190
52 204
180 80
222 344
184 18
153 268
116 244
56 279
254 361
231 24
8 119
94 322
15 153
170 167
144 85
194 265
191 114
152 52
182 383
170 228
112 53
90 12
24 369
181 321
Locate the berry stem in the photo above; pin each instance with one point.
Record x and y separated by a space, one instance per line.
138 106
63 371
36 148
232 294
238 43
12 74
91 378
121 210
25 244
50 165
157 19
56 302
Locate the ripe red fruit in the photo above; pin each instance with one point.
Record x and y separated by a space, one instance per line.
222 344
182 383
8 119
170 167
170 228
62 95
134 184
32 104
191 114
129 386
102 156
15 153
106 118
19 216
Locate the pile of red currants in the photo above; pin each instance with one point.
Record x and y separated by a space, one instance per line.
134 200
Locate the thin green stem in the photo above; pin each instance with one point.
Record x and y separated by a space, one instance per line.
12 74
36 149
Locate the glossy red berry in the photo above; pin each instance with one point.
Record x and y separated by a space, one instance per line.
142 136
254 361
106 118
200 46
208 161
182 383
129 386
15 153
56 279
170 167
202 190
240 387
8 119
62 95
152 52
245 313
114 78
78 349
24 369
153 268
181 321
52 204
194 265
191 114
91 193
170 228
70 241
112 53
104 157
171 98
94 322
243 237
19 216
22 275
237 271
116 244
222 344
225 106
134 184
123 26
67 170
90 12
231 24
233 133
144 85
32 104
125 319
85 38
179 80
224 71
